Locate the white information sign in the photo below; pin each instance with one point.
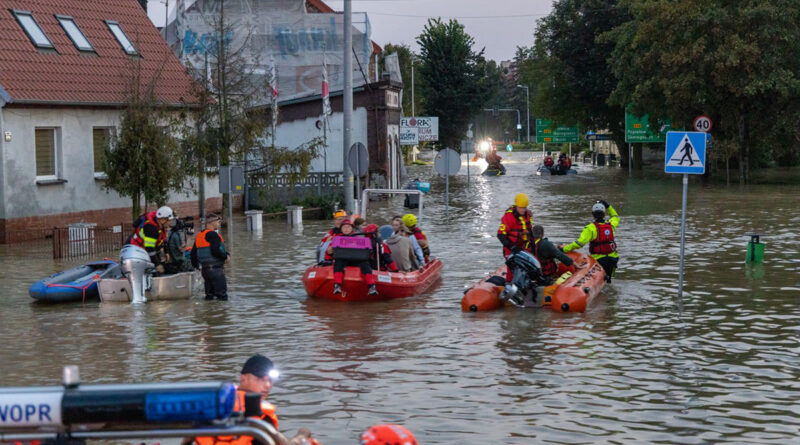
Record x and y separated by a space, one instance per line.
427 127
30 409
408 136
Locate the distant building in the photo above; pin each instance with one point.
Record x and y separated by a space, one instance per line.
65 68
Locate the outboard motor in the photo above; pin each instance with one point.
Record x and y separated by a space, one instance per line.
527 278
138 269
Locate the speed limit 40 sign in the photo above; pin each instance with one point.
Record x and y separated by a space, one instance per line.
702 123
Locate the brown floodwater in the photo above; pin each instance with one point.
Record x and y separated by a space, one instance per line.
633 368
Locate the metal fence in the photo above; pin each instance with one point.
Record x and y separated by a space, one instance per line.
78 240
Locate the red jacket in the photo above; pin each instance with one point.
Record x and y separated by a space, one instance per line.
517 229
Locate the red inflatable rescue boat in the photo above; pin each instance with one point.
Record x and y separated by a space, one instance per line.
572 292
318 281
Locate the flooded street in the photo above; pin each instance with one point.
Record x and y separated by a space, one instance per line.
633 368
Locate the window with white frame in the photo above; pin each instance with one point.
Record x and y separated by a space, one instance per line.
32 29
46 142
74 33
121 37
101 138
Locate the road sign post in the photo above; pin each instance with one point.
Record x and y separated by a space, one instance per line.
685 154
447 162
358 161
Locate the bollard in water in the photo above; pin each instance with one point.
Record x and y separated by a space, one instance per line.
294 215
755 249
254 220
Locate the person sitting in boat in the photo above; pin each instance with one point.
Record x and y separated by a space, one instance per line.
150 233
548 161
359 224
493 159
397 223
388 434
339 264
411 222
176 249
547 252
257 376
338 217
400 244
514 232
379 250
600 237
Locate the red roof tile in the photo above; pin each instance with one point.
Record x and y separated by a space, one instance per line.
67 76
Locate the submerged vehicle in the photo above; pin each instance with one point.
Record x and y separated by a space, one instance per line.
318 278
76 284
571 292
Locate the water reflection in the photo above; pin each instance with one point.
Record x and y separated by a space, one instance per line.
628 370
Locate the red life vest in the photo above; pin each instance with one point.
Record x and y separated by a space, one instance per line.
420 235
145 219
549 266
517 228
604 244
548 161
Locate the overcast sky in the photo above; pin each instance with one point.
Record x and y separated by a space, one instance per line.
498 25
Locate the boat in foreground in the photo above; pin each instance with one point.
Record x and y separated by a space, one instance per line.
318 281
179 286
76 284
572 292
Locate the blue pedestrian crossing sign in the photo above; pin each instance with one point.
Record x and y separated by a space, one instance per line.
686 152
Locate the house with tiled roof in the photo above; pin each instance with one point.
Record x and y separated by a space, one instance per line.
65 71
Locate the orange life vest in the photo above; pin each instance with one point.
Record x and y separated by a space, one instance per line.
267 413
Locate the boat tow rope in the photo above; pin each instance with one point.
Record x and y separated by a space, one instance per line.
82 288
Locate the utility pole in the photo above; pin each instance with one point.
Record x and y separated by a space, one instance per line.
527 107
347 177
412 85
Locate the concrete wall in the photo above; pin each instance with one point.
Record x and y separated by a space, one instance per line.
296 132
82 195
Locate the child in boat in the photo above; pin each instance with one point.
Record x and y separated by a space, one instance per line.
379 250
339 264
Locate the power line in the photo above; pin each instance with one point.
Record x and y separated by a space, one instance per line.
515 16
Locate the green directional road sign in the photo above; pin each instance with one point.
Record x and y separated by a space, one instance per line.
637 129
548 133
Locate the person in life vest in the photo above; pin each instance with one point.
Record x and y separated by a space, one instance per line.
411 222
338 217
339 264
397 227
388 434
547 253
209 255
514 232
548 161
150 233
600 237
379 250
493 159
257 376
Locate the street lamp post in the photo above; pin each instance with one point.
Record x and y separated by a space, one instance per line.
527 107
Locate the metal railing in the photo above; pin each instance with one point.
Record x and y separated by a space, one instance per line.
78 240
283 180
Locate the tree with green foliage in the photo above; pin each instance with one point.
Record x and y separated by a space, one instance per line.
142 159
452 77
738 62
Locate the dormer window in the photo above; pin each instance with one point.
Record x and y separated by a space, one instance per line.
74 33
33 30
123 40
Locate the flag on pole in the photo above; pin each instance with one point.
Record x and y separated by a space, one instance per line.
326 100
273 87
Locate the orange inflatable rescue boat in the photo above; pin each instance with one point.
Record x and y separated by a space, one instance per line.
572 292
